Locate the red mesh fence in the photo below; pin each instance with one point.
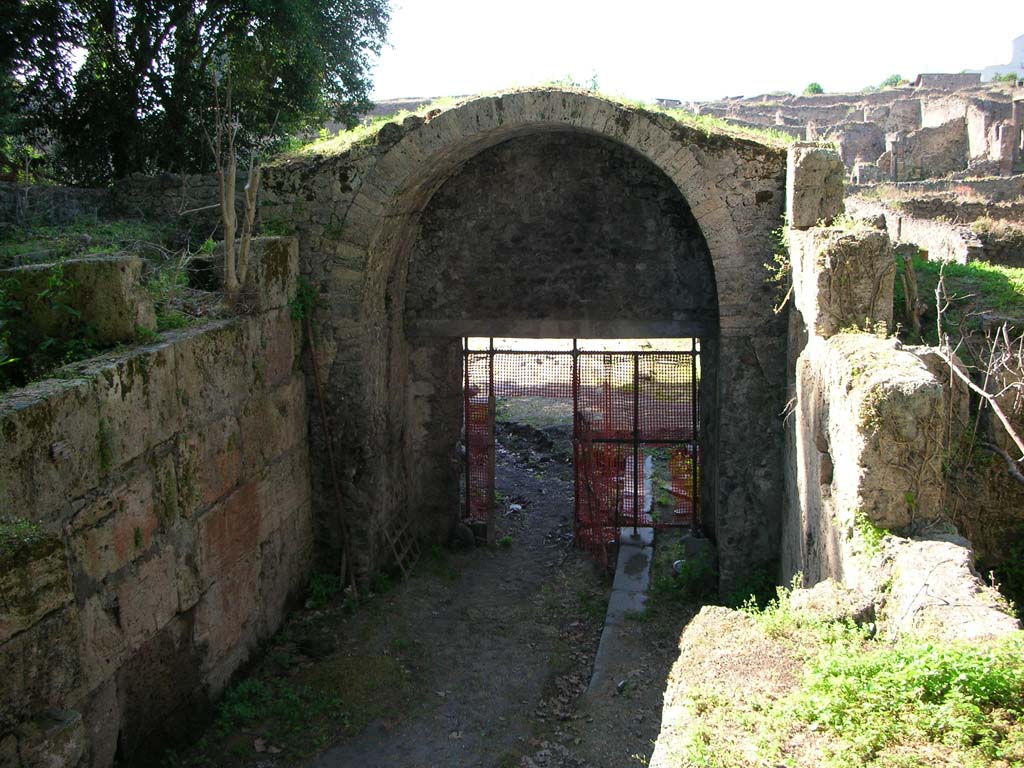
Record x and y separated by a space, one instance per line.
635 433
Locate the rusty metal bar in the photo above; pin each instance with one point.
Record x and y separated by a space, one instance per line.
636 440
695 440
466 422
491 532
576 437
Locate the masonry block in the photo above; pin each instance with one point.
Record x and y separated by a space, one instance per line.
842 278
114 527
147 597
34 582
228 532
814 185
105 291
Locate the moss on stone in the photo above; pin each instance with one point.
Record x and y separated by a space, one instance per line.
23 540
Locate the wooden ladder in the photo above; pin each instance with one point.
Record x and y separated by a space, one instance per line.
404 547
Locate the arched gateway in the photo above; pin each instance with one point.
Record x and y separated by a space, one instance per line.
541 212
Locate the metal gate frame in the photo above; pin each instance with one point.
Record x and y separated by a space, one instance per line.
601 453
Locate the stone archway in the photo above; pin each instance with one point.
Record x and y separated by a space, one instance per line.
357 215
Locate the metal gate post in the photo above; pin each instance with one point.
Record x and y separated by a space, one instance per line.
577 453
636 439
694 440
491 534
466 421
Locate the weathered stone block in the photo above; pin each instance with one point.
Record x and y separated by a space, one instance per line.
283 489
137 399
41 668
886 420
147 597
936 592
105 290
228 532
34 581
55 739
273 272
227 615
51 448
103 645
273 424
213 369
114 527
842 278
814 185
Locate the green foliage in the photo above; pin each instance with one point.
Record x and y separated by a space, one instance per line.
18 535
1008 77
873 696
590 84
322 589
892 81
756 587
870 534
505 541
23 356
127 87
9 308
34 241
971 288
813 88
166 285
305 299
695 581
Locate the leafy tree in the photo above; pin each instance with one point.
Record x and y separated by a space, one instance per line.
813 88
892 81
138 99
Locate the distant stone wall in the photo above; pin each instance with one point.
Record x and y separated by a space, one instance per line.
171 483
189 201
50 204
993 189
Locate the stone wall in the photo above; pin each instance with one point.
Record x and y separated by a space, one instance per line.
927 152
189 201
993 189
171 485
871 425
358 215
52 204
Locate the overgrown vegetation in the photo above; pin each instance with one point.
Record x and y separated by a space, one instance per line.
35 242
839 698
974 290
367 132
18 535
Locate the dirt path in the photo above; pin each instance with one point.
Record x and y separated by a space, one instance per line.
478 660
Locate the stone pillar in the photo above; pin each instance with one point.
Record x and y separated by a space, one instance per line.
814 185
1017 122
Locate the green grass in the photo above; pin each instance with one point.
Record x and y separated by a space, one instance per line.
973 287
19 536
84 236
872 696
841 698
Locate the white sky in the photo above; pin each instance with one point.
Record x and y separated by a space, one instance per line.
647 49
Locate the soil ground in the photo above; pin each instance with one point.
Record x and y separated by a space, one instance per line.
479 659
